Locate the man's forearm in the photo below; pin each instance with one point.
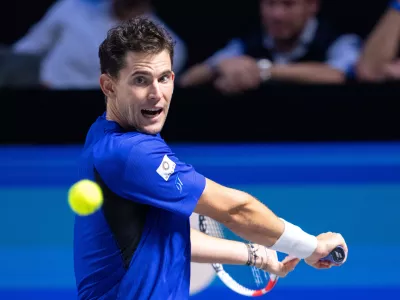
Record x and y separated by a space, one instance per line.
253 221
381 46
240 212
307 73
208 249
257 223
196 75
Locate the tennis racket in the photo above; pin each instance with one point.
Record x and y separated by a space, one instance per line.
248 280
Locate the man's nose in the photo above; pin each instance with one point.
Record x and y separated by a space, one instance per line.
155 91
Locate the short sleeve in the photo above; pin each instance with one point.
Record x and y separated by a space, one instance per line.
344 52
148 172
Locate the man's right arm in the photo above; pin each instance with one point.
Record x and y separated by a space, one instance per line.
253 221
381 46
241 213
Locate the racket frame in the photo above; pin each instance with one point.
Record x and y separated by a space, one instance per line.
232 283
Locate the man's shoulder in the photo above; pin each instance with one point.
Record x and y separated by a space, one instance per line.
133 153
118 147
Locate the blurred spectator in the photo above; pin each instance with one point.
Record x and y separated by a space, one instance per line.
379 60
69 35
293 45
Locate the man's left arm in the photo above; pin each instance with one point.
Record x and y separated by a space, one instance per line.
341 59
318 73
209 249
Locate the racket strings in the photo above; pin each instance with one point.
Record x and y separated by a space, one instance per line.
266 276
216 229
245 280
256 275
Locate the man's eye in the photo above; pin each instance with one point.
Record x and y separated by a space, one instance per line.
140 80
164 78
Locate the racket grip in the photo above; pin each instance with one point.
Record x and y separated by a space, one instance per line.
336 256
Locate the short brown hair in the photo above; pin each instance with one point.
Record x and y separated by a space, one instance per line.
137 35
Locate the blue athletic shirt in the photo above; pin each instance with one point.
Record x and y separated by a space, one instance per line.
137 246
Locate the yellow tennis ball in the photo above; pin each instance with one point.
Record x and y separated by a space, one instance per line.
85 197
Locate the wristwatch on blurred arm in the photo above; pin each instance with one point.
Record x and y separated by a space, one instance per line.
265 68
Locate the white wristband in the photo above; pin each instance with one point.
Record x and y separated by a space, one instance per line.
294 241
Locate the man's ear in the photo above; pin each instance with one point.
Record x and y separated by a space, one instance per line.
173 81
107 85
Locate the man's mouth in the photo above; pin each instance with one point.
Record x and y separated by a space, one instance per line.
151 113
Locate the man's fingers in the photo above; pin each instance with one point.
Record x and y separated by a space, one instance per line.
341 242
290 265
282 269
239 74
227 85
250 76
246 82
240 81
289 258
323 265
222 84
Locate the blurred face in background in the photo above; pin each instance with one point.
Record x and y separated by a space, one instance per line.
285 19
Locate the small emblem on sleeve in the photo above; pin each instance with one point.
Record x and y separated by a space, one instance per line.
166 168
178 184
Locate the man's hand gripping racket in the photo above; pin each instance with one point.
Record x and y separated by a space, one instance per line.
323 257
263 267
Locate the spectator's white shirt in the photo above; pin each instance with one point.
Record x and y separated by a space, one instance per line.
69 36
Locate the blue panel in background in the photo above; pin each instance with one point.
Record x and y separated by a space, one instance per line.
222 293
350 188
228 164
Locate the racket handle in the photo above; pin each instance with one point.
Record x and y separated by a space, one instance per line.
336 256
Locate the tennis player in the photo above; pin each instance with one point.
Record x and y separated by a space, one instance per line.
138 246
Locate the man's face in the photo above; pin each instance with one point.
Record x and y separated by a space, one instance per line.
143 91
284 19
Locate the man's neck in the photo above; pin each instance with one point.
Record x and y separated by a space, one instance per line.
112 114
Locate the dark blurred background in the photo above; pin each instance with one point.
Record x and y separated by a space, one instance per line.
323 152
204 25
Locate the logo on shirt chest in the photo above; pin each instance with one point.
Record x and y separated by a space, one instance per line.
166 168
